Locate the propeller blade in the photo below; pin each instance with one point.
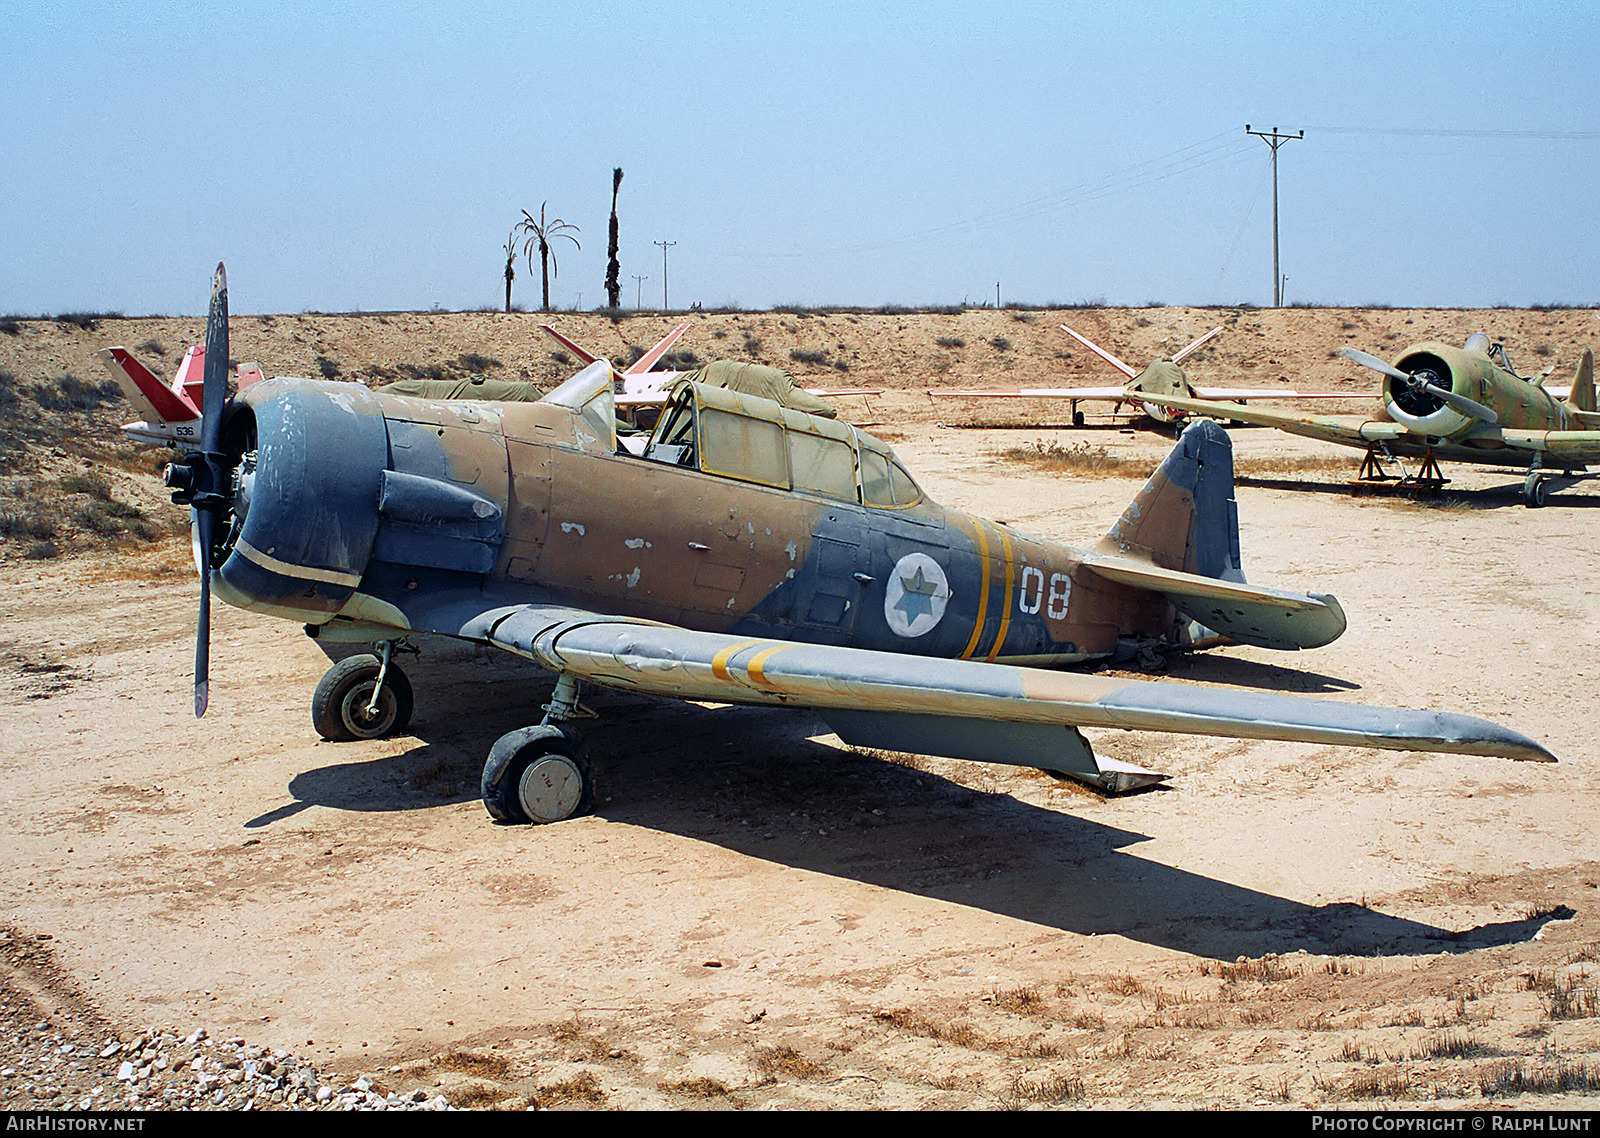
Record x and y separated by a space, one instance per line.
214 482
205 522
1469 407
216 374
1366 359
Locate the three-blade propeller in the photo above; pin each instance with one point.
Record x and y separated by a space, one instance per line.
203 480
1469 407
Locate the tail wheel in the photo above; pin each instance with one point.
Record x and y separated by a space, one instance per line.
342 707
537 774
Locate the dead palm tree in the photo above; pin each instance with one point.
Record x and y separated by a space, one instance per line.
541 233
511 256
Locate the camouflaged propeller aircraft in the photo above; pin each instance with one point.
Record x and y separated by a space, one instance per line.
753 554
1164 377
1463 404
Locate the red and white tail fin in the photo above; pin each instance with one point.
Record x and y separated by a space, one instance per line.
647 361
1102 353
171 413
583 354
1178 357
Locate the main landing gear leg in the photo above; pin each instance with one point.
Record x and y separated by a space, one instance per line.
539 774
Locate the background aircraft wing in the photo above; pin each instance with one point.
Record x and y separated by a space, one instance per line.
1118 394
957 708
1245 394
1348 432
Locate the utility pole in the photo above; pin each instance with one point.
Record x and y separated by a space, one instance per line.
997 294
665 245
638 291
1274 140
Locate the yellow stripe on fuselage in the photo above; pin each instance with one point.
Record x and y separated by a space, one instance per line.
1005 597
983 589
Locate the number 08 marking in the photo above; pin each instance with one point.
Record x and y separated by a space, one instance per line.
1031 593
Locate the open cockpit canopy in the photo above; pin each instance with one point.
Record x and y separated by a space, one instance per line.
739 436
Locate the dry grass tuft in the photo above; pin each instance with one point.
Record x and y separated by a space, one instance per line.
582 1087
702 1087
1392 1084
478 1064
782 1060
1504 1080
1021 1001
1051 1088
1079 458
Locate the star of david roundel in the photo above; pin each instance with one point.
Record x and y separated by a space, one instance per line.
916 595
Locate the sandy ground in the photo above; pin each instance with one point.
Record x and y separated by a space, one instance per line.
755 916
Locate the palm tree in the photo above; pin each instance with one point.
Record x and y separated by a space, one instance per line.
511 256
613 267
541 233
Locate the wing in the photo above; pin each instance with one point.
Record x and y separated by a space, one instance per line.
1246 394
958 708
1111 394
1347 432
1572 446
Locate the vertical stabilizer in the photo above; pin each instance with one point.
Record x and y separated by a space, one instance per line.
1185 517
1581 397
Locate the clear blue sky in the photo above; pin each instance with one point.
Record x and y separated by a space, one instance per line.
345 156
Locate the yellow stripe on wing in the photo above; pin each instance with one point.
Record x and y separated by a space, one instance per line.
720 662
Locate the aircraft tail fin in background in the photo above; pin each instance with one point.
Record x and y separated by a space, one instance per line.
1581 397
153 399
1185 517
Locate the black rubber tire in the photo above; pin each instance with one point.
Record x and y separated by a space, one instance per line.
1535 492
1077 418
515 760
338 706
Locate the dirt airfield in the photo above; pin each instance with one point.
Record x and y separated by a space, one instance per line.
756 916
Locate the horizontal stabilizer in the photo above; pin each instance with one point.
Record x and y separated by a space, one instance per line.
1250 614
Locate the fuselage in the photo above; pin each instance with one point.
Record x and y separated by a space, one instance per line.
393 515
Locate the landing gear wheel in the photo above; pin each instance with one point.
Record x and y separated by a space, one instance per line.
537 774
339 705
1535 491
1077 418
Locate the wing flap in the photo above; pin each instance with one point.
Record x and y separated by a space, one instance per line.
1250 614
664 660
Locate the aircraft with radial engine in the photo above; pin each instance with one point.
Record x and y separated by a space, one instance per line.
1163 377
1466 404
752 554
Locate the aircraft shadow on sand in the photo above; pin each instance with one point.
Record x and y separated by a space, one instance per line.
752 781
